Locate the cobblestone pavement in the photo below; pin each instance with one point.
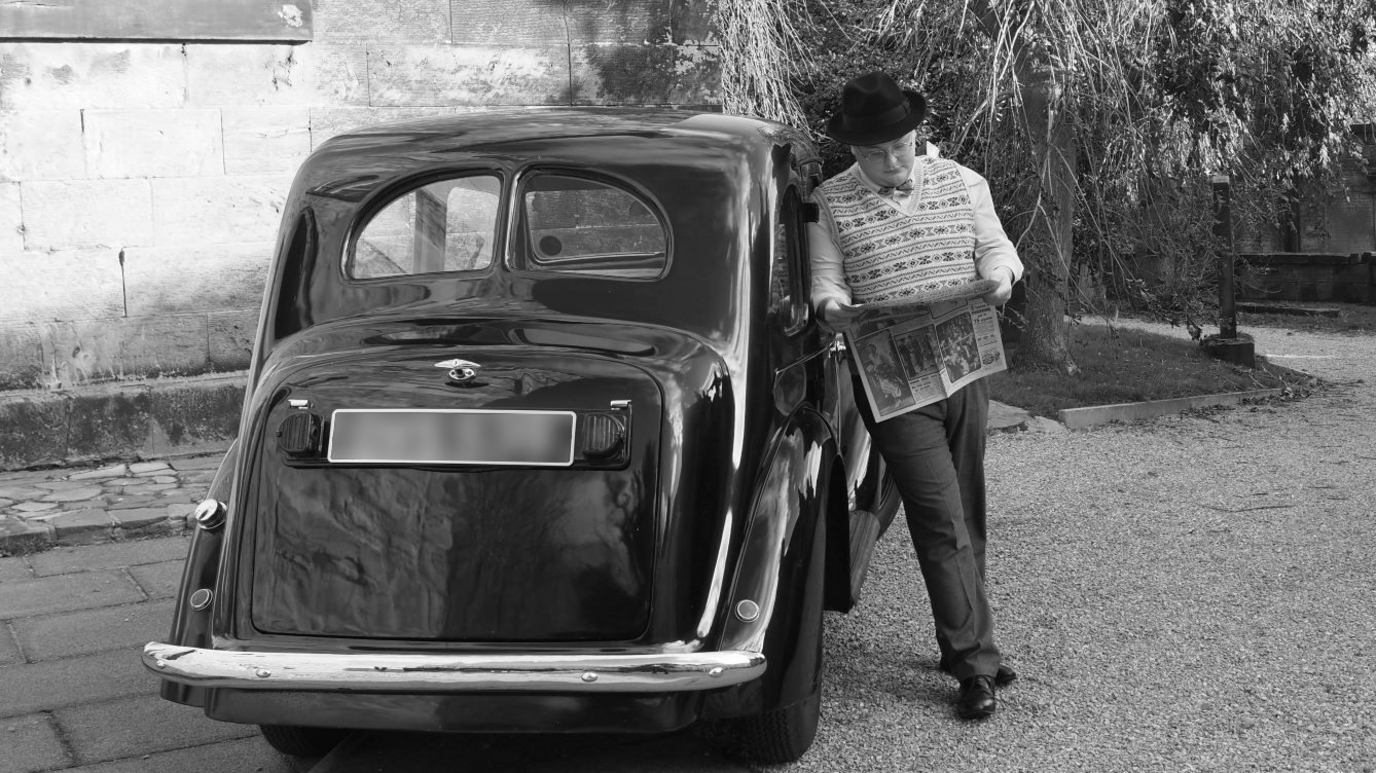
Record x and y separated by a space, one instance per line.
82 506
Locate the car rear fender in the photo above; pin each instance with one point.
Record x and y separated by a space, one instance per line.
776 594
191 625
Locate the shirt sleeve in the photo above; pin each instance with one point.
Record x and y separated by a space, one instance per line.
993 249
828 270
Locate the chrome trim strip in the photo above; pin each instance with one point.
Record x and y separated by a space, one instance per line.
422 673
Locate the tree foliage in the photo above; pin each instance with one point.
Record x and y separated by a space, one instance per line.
1134 104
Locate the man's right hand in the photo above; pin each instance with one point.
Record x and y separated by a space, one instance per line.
836 315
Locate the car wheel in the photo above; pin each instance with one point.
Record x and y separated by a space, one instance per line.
786 733
302 741
779 736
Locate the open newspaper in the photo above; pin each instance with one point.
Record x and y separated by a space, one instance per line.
909 355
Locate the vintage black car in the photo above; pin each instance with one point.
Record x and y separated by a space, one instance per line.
540 435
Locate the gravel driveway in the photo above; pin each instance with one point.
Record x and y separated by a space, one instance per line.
1191 593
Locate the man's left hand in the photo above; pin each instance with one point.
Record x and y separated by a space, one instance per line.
1000 295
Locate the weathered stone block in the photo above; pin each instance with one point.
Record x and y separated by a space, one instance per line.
412 21
163 280
134 727
32 743
83 527
340 72
266 140
41 145
66 593
467 75
87 213
21 357
90 631
81 351
140 521
85 75
507 23
20 536
73 681
647 75
112 422
35 429
220 75
154 143
165 345
632 22
11 219
196 414
159 581
112 556
329 122
232 335
74 284
691 22
200 210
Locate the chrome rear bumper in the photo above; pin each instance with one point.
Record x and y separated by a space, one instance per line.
406 673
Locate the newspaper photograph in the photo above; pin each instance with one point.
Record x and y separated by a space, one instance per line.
908 358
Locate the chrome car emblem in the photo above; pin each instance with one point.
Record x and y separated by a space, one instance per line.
461 372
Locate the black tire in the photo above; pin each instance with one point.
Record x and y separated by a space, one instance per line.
785 734
302 741
779 736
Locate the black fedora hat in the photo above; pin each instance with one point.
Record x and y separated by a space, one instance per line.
874 110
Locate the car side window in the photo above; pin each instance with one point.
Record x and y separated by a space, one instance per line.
788 277
449 225
589 226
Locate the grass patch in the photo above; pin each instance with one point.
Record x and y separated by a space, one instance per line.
1123 365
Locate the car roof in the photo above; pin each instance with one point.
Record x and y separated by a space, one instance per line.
358 160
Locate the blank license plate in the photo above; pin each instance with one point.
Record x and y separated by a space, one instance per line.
451 436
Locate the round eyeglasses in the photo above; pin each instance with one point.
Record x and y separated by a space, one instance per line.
875 153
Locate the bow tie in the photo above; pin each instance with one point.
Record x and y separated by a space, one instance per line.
905 188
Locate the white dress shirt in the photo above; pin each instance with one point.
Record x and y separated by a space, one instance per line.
993 249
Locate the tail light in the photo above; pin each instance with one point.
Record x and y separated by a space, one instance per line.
601 435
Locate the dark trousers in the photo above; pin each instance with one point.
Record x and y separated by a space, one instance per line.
936 457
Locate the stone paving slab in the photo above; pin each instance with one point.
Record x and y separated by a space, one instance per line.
14 569
115 471
65 560
56 684
140 725
210 462
91 631
145 520
31 743
9 647
47 595
247 755
82 527
160 581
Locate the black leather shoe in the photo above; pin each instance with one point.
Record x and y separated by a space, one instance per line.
1003 678
976 698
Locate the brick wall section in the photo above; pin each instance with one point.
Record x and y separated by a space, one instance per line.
141 183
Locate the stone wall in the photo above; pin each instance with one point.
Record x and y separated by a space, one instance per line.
1308 277
141 182
1342 224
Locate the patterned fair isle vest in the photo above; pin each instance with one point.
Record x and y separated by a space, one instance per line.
889 253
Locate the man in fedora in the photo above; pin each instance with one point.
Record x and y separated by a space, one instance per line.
894 222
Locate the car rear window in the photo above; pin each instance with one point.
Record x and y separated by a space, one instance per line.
450 225
589 226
